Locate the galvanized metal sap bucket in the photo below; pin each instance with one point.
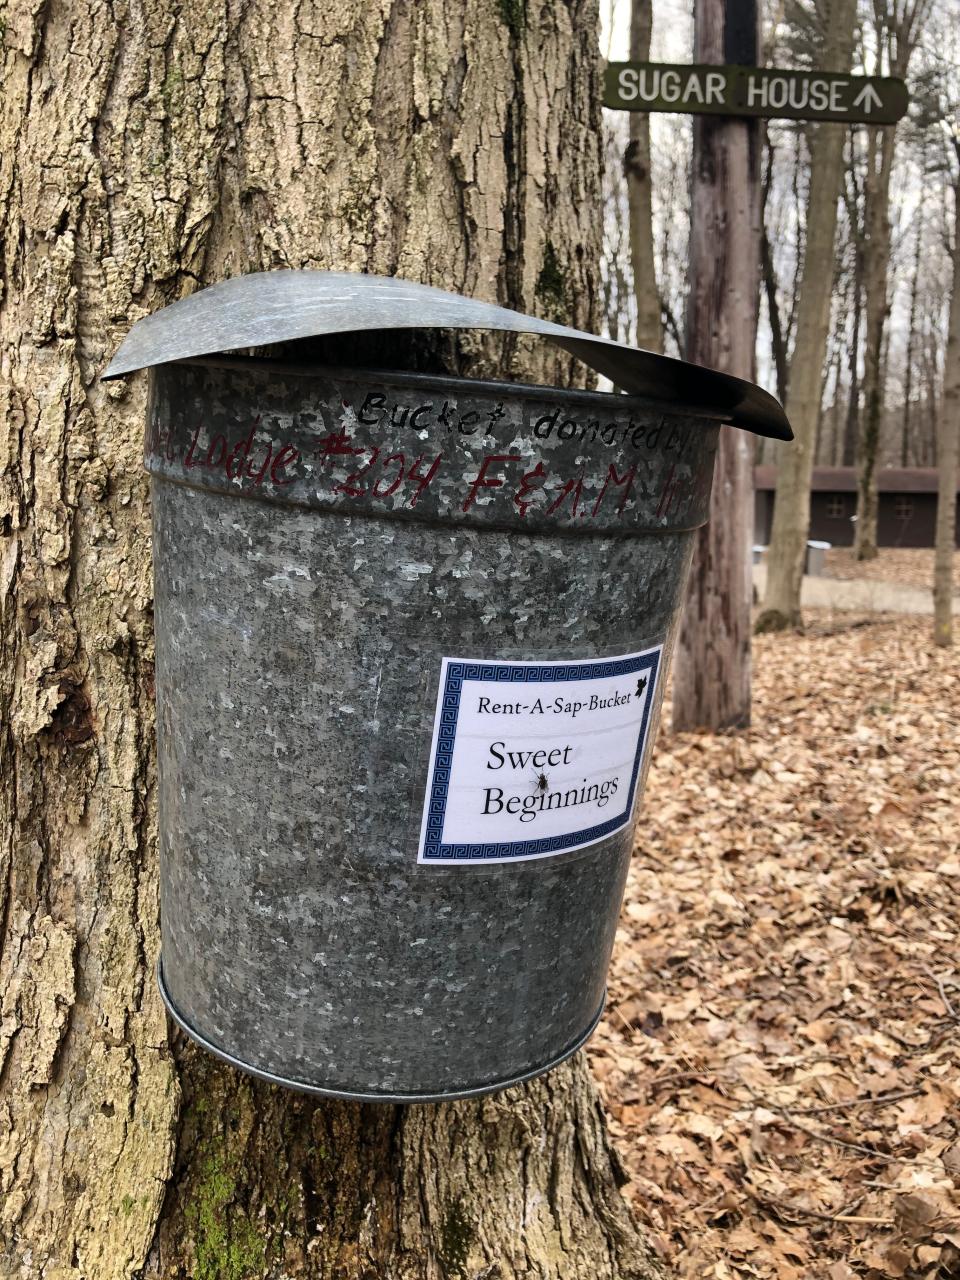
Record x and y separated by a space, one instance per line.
411 638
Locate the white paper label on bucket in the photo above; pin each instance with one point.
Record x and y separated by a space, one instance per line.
534 759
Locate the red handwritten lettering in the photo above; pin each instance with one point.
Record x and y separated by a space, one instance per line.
335 445
352 486
531 482
574 487
288 455
625 482
188 461
210 460
240 453
257 476
423 480
667 493
483 481
395 483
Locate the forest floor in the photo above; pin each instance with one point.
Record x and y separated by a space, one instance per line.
779 1057
903 566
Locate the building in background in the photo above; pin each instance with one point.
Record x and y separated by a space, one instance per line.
907 511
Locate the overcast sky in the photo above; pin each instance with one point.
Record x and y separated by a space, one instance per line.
672 30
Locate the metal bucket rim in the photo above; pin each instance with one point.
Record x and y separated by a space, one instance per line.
609 401
474 1091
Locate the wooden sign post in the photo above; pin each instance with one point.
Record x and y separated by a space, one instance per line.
728 93
712 668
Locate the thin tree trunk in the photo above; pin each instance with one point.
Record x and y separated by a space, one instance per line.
711 686
636 166
898 28
828 429
948 442
615 289
791 511
876 265
177 147
831 456
906 444
852 419
778 343
852 197
931 377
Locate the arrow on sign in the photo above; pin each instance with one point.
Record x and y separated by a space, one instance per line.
867 98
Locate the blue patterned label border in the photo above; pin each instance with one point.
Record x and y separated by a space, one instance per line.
456 677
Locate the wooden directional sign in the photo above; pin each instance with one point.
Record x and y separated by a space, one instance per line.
754 91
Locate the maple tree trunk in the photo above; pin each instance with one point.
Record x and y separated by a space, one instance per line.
778 342
791 513
876 308
852 422
636 167
897 26
948 445
454 145
711 684
906 443
831 456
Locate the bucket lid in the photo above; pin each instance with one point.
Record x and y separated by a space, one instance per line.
278 306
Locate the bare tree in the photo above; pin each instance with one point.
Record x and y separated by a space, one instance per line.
853 203
671 164
636 166
948 436
791 516
768 274
907 452
712 673
897 25
615 272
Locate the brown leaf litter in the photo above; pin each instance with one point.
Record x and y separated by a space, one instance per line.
779 1054
905 566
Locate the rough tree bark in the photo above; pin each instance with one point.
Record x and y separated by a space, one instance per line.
791 512
145 150
636 167
948 447
711 684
